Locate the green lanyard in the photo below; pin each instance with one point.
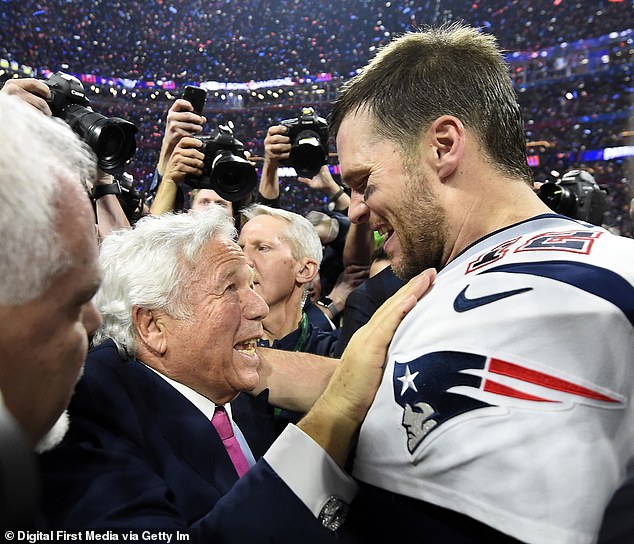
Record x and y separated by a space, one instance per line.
303 325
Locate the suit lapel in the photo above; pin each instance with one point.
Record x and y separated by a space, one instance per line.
189 433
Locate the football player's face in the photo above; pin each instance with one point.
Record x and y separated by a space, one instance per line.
393 197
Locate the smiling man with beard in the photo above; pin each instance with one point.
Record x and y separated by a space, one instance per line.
507 391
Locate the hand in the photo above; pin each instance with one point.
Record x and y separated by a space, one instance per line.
30 90
352 276
102 178
337 414
277 146
186 159
322 181
181 122
359 373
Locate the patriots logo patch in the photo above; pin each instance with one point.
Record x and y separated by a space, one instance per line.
439 386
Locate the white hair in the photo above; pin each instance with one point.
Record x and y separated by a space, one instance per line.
36 154
149 266
300 232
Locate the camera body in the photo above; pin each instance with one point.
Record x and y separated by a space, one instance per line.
309 142
130 198
226 169
112 139
576 195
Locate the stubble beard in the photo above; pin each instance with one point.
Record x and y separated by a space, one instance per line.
422 237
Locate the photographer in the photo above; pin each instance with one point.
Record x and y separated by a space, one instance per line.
342 269
186 159
215 166
109 214
277 148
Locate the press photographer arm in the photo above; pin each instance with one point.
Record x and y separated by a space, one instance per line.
324 182
186 159
110 214
181 122
277 147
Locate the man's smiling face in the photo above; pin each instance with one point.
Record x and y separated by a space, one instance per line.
393 198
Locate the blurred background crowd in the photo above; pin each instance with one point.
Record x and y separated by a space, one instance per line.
571 62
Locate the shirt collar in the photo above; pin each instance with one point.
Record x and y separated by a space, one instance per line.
201 402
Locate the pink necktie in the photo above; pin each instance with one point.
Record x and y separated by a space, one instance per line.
221 422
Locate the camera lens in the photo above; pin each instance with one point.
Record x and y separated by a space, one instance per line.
112 139
109 141
559 199
307 155
232 176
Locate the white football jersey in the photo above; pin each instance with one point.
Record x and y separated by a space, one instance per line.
507 391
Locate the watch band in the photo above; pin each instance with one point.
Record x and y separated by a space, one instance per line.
108 189
327 303
336 196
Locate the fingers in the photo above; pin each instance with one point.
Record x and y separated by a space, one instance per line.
182 121
277 145
185 160
30 90
388 317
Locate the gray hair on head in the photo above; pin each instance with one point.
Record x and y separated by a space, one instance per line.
38 155
149 266
300 232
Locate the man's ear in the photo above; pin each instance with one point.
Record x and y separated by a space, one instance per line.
150 329
447 135
306 270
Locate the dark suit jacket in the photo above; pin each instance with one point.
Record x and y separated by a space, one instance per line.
363 301
139 455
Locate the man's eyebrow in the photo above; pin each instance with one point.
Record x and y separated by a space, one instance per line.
351 176
368 191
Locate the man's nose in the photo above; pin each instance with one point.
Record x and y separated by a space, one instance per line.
358 211
255 307
91 318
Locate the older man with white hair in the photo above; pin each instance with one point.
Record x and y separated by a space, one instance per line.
162 433
48 273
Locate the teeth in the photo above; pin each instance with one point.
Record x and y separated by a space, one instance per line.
248 347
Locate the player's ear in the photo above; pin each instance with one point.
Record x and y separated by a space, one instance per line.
447 135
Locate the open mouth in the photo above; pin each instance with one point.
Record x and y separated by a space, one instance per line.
247 347
386 233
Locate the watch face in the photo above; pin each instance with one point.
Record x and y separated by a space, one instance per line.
331 206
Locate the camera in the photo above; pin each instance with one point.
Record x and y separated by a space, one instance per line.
130 198
309 142
226 169
576 195
112 139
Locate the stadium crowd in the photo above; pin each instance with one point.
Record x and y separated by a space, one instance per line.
241 42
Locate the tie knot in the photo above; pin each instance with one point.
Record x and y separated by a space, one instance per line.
220 421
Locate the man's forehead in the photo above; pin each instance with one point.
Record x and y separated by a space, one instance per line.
221 259
263 227
223 249
354 141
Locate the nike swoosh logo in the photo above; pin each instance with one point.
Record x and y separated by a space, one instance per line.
464 304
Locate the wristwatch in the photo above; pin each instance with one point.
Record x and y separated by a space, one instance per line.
108 189
327 303
332 201
336 196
